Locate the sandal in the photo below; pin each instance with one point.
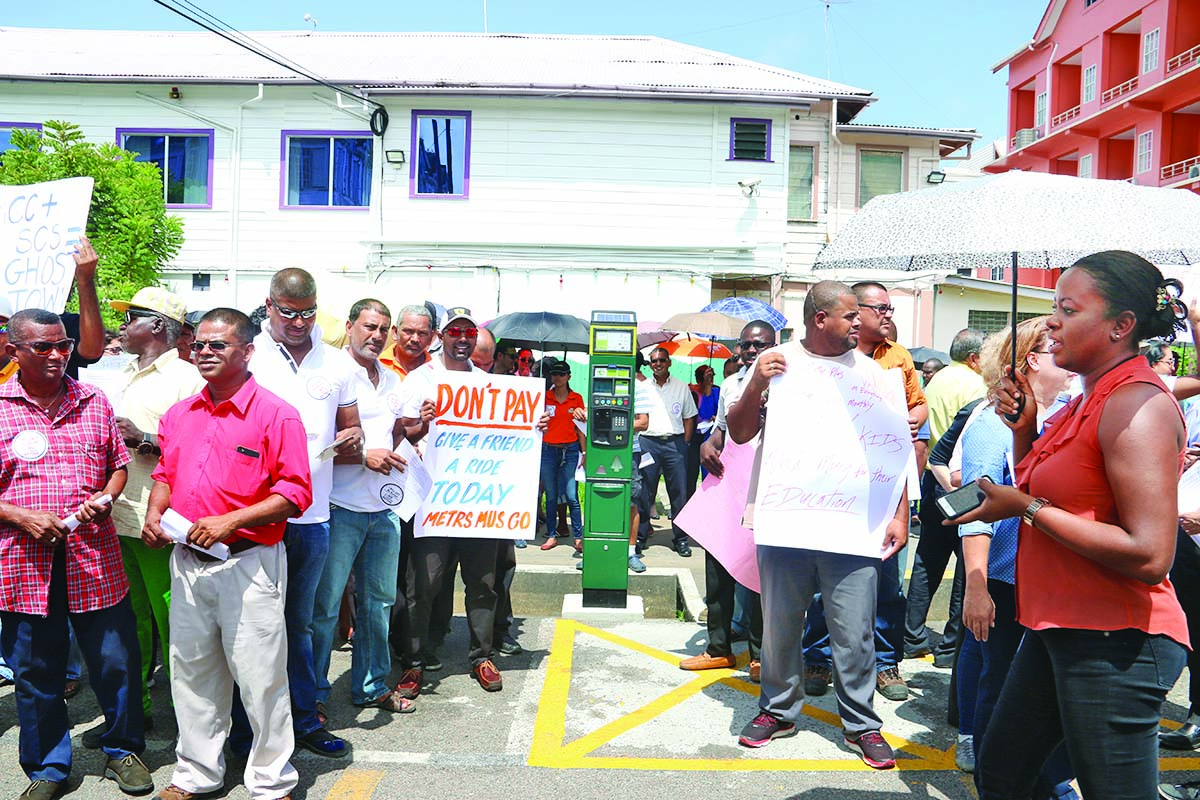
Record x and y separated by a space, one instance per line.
391 701
323 743
550 543
322 714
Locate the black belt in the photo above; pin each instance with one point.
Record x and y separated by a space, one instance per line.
663 438
240 546
560 446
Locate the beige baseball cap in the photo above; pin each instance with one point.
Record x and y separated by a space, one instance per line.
156 299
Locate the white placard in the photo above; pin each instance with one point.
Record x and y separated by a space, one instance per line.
483 453
835 454
40 227
176 527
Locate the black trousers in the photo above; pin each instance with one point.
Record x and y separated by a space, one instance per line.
719 587
477 560
1185 577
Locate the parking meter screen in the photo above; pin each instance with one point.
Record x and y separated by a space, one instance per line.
613 341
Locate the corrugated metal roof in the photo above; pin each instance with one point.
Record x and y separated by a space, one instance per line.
432 61
965 134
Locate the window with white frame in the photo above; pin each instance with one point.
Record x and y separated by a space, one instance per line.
1144 152
801 163
1039 112
879 172
326 169
1085 165
184 156
1088 94
1150 50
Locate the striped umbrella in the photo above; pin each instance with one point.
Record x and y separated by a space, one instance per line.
749 309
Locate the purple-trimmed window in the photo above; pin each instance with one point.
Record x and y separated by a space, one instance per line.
325 169
184 157
6 129
440 165
749 139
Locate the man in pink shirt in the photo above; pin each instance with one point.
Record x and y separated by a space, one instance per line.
234 468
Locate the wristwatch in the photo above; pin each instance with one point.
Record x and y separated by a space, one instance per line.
147 445
1032 509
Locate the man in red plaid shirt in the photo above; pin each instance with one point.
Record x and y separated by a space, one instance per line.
60 452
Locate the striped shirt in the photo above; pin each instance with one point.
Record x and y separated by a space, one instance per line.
54 465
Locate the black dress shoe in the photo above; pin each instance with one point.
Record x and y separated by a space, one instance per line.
1186 738
683 550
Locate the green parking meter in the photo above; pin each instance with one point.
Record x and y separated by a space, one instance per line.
609 464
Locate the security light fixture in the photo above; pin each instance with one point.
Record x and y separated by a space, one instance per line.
394 156
935 176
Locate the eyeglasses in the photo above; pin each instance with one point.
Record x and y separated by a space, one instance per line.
455 331
878 308
215 345
291 313
748 345
131 315
63 347
660 361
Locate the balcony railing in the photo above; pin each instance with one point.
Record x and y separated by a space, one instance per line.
1180 169
1118 90
1059 119
1183 59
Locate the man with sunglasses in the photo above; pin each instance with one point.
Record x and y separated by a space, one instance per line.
432 555
875 328
672 411
719 585
234 467
150 384
62 452
292 361
506 359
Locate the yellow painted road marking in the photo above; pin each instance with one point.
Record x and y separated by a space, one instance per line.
549 748
355 784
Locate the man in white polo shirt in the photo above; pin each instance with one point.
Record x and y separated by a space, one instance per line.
291 361
364 534
672 412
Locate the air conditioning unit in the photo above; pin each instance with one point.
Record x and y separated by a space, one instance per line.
1027 136
1194 171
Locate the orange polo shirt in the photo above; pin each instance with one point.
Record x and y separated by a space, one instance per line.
389 360
890 355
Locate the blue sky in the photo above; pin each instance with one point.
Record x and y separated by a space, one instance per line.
929 62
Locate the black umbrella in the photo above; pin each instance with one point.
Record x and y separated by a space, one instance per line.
542 330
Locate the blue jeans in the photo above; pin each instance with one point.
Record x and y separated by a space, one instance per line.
307 548
966 679
1099 691
74 663
369 544
889 623
558 478
997 653
37 648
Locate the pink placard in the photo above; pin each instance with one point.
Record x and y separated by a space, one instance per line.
713 517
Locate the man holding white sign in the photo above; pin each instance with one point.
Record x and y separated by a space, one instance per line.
364 531
828 505
483 451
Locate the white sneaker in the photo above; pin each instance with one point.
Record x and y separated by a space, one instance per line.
964 753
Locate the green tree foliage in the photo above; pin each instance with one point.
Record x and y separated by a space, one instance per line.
128 222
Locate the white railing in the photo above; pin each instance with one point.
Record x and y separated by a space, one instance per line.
1059 119
1179 168
1183 59
1118 90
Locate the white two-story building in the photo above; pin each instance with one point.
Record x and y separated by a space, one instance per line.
502 172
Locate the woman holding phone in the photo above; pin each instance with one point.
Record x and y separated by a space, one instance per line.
1096 494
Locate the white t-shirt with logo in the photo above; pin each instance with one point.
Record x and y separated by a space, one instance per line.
669 405
354 486
316 387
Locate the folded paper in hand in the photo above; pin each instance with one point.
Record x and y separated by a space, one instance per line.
176 527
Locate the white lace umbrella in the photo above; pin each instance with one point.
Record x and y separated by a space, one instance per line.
1016 219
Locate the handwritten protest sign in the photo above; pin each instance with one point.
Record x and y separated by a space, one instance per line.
40 226
483 453
713 517
835 452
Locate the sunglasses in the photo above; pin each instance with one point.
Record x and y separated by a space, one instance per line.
215 345
291 313
63 347
131 315
455 331
748 345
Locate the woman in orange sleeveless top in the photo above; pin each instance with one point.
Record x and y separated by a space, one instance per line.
1096 494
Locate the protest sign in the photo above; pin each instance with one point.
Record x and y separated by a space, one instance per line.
835 450
484 454
40 227
713 517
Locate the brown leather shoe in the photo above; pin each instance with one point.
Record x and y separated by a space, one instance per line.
705 661
755 671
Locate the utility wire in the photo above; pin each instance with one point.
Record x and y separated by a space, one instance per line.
212 24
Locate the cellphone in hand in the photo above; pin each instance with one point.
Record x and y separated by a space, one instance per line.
961 501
